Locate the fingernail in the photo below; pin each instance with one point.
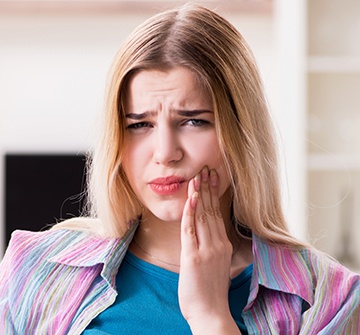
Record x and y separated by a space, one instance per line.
194 199
204 173
213 178
197 182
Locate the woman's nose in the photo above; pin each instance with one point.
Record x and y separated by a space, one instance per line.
167 147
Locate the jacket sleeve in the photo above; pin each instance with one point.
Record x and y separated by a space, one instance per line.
336 302
6 320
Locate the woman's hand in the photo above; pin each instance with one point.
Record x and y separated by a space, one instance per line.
205 260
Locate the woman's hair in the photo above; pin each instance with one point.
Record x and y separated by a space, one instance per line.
202 41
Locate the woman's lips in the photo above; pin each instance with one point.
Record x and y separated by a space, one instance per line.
167 185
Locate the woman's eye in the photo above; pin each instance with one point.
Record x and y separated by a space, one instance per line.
138 125
197 122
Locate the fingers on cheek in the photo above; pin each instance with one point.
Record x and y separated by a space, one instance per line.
197 182
205 181
193 186
214 181
193 201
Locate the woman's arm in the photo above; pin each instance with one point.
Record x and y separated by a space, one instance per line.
205 260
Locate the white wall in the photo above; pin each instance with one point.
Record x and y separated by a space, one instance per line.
53 71
290 106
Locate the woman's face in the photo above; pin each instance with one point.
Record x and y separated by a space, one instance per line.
170 135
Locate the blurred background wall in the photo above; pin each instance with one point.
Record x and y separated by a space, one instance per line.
54 58
333 123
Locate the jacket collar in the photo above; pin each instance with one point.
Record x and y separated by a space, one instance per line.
275 267
280 268
88 250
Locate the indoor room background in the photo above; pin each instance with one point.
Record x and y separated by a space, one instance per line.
54 59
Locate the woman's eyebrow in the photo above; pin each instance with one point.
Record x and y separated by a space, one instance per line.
138 116
190 113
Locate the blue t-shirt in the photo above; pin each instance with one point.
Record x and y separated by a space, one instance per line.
147 301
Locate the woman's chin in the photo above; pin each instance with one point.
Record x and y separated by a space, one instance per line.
170 217
165 215
168 210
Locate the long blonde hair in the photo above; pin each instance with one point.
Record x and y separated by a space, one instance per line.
204 42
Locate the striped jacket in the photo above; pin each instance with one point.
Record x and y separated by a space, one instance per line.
56 282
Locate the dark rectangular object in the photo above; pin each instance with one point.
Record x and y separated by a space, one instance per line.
42 189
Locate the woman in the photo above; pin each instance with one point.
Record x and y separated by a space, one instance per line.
187 234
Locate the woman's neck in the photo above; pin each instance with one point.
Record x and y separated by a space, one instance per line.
159 242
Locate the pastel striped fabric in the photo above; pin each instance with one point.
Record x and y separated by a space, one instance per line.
56 282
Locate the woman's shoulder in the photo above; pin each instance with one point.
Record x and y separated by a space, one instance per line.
326 274
303 270
324 265
304 256
66 228
310 274
24 244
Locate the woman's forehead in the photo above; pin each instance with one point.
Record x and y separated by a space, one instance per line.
178 87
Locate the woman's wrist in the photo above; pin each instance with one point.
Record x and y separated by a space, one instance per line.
214 326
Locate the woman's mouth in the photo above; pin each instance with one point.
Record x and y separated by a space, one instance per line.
167 185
